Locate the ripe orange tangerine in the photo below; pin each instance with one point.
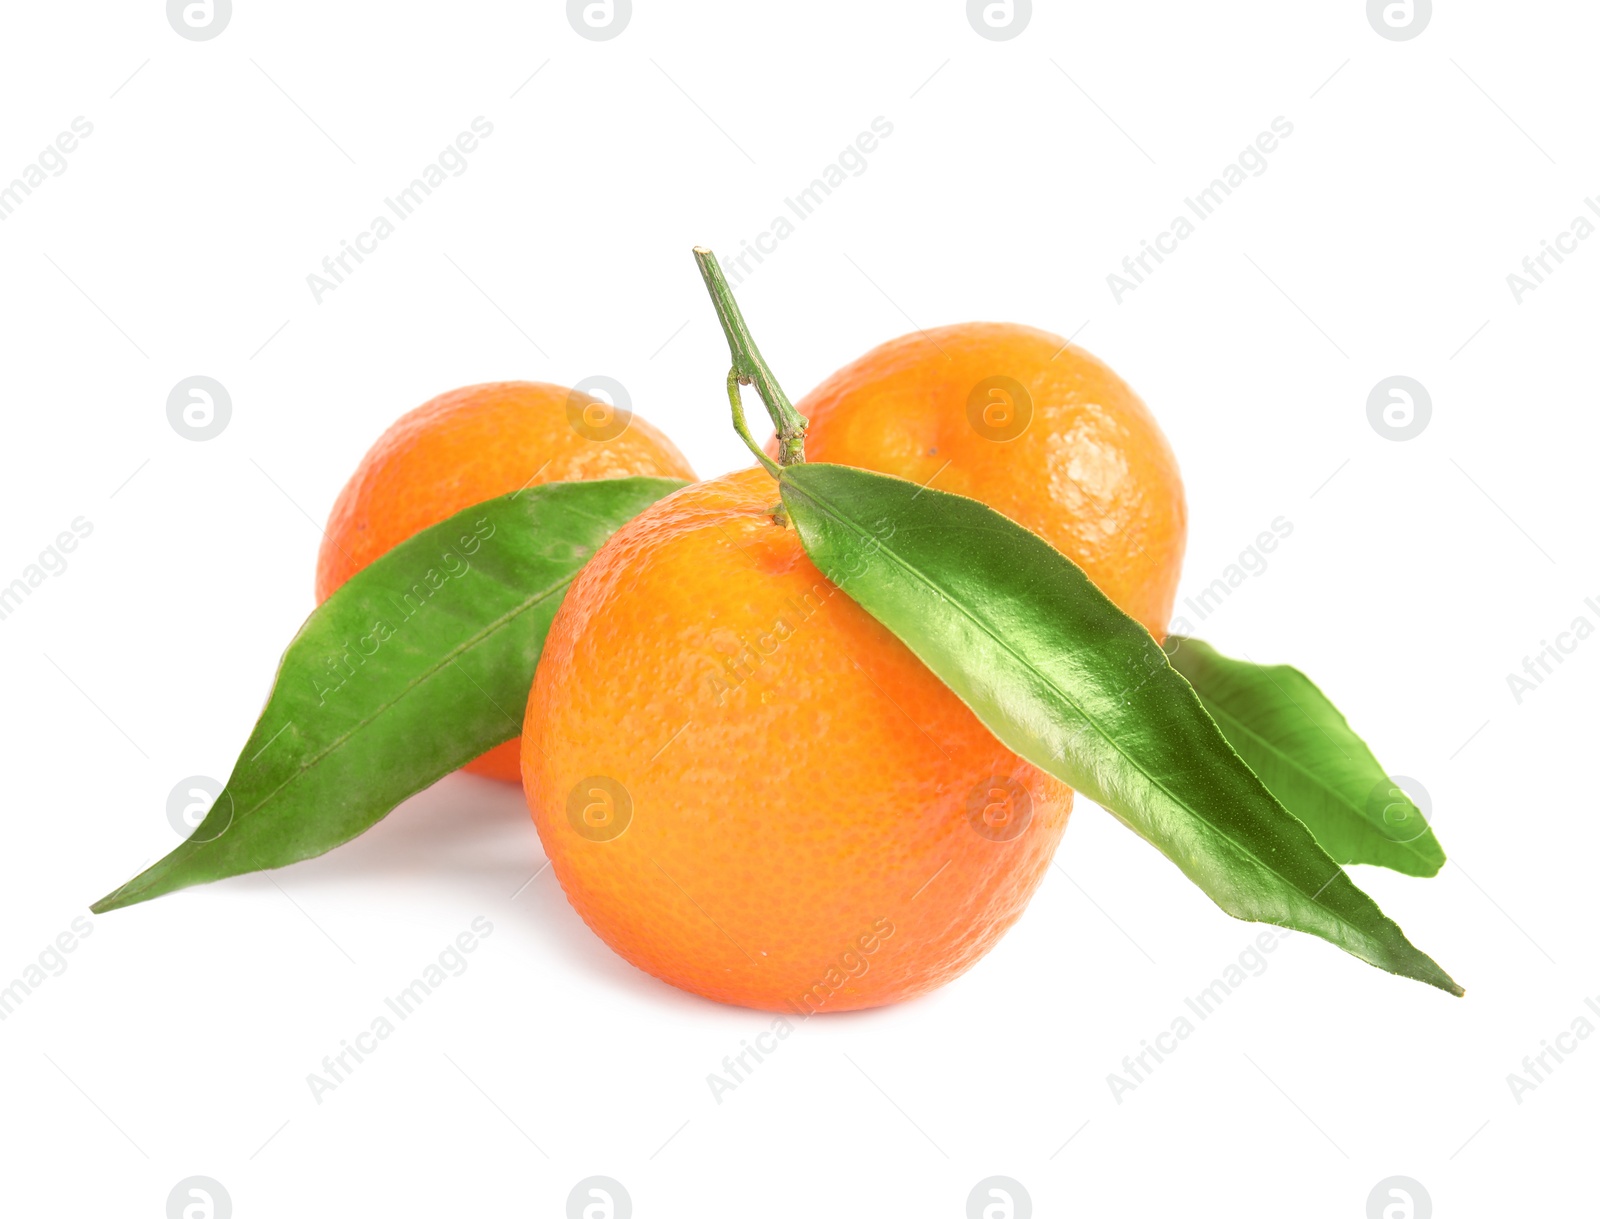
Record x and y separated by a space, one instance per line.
1036 428
749 788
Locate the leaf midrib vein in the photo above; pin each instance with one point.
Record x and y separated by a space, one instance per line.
1087 718
1219 712
448 658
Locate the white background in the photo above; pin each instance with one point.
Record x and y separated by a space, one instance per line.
1419 574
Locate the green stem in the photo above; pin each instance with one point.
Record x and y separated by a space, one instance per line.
739 425
750 369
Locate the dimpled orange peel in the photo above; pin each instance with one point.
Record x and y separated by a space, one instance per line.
750 789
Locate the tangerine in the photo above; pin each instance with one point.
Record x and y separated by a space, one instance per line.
749 788
1036 428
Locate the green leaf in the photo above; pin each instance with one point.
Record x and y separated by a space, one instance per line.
1308 756
416 665
1071 683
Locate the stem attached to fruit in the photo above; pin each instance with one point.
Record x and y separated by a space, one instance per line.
750 369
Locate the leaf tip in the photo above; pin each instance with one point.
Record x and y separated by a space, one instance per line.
115 900
140 888
1433 974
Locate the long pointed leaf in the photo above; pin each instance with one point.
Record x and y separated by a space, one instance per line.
1294 738
416 665
1075 686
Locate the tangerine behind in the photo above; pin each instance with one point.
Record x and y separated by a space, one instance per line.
469 445
1036 428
